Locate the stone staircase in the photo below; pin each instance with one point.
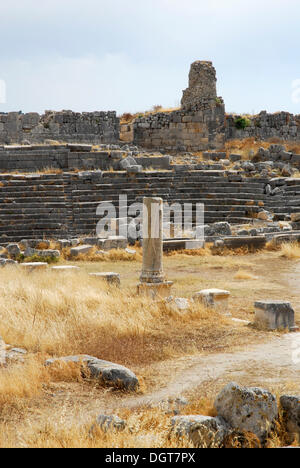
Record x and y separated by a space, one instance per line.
64 205
32 206
224 200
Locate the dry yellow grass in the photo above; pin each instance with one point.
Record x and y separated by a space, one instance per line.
247 146
82 315
290 250
20 382
244 275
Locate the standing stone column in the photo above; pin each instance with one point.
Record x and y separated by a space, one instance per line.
152 278
152 271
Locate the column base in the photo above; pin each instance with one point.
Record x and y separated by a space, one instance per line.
155 290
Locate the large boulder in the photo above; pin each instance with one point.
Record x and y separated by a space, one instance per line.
105 372
202 431
248 409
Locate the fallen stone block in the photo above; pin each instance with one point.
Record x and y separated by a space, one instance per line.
282 238
34 266
113 242
109 277
13 250
127 162
81 249
264 216
248 409
79 148
63 244
215 298
222 228
134 169
65 268
274 315
29 252
295 217
182 244
202 431
235 157
178 304
253 242
33 243
108 423
105 372
291 413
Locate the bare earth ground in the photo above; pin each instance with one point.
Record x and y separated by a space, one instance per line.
251 357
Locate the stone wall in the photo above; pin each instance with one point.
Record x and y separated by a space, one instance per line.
195 130
197 126
66 126
264 126
70 157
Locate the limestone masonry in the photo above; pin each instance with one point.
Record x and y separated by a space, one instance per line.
200 124
67 126
197 126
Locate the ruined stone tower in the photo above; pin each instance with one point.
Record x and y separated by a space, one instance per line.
202 84
199 124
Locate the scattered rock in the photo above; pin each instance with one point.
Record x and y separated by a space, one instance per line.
291 413
81 249
202 431
109 277
13 250
108 423
274 315
105 372
222 228
178 304
248 409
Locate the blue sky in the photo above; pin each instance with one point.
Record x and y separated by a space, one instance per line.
128 55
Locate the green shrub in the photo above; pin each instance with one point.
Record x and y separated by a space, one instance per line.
241 123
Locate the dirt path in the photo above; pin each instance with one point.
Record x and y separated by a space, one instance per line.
271 362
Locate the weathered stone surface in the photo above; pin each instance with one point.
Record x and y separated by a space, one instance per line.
253 242
216 298
152 270
109 277
202 84
81 249
29 252
128 162
65 268
32 266
108 423
222 228
106 372
274 315
178 304
264 215
291 413
13 250
202 431
248 409
295 217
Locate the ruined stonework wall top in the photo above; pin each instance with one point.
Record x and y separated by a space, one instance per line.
202 84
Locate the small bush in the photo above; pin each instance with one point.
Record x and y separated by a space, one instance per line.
241 123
